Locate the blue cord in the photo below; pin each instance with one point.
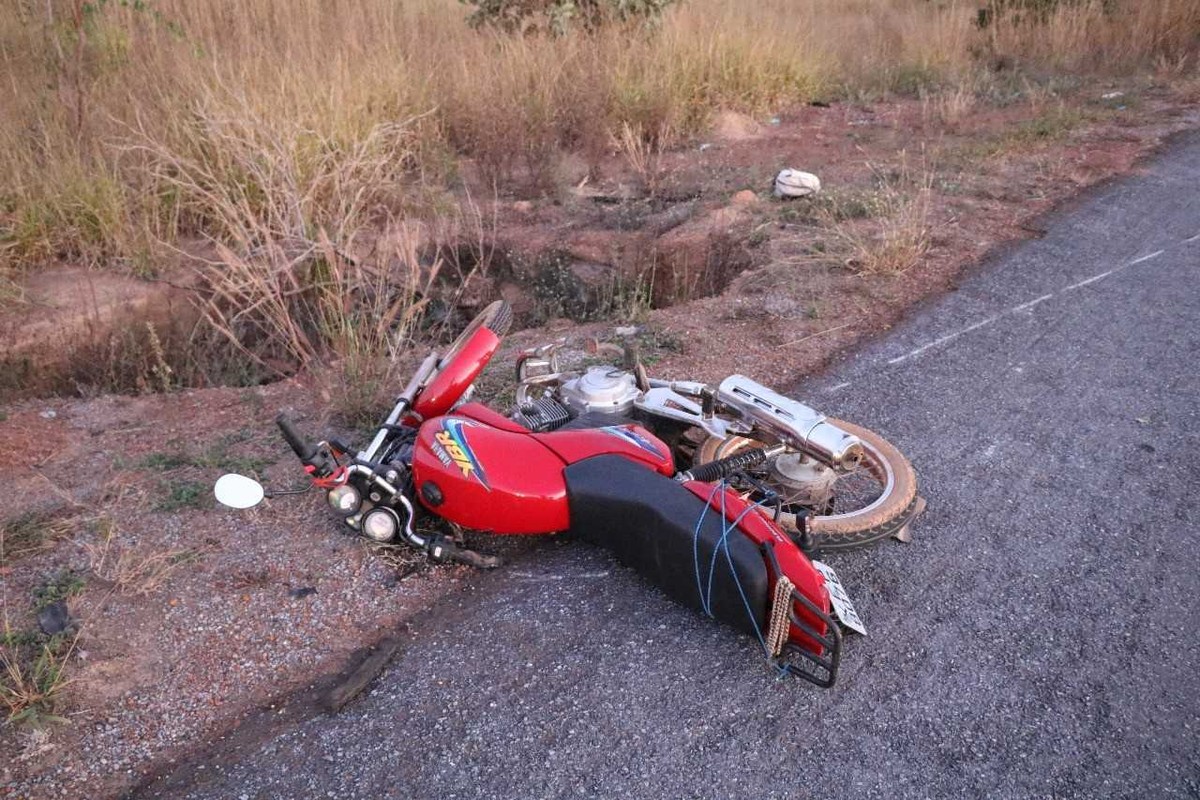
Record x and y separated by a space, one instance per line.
696 545
722 544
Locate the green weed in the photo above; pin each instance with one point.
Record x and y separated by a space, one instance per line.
61 585
32 675
217 457
177 495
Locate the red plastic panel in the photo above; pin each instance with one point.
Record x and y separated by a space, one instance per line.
481 413
490 479
444 390
632 441
794 564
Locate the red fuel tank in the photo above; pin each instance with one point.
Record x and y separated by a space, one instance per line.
484 472
489 479
632 441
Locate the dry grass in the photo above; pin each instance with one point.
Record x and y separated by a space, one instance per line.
33 532
643 152
952 106
133 571
351 106
311 264
899 237
300 152
1083 37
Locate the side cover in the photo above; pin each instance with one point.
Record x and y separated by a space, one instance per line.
649 523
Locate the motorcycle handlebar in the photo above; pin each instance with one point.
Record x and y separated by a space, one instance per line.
304 449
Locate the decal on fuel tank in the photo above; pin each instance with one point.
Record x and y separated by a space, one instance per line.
450 445
630 435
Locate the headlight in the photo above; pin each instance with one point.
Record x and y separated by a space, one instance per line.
380 524
345 499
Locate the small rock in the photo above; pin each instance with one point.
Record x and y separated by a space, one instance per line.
745 198
795 183
705 146
303 591
626 330
49 413
54 618
522 206
1111 95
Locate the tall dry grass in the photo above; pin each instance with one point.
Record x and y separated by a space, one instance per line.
330 79
197 78
297 140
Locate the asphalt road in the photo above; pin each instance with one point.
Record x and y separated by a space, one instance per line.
1038 639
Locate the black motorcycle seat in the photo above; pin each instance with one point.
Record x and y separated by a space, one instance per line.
649 522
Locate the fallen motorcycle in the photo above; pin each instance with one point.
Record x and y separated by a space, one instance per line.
597 453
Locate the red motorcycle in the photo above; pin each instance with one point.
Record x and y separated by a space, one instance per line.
595 453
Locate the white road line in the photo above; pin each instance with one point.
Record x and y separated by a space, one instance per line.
1022 307
1032 303
839 387
944 339
1086 281
1191 238
1155 254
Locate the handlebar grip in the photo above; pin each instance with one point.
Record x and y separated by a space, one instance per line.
303 448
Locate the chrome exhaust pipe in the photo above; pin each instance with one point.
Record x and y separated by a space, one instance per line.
794 423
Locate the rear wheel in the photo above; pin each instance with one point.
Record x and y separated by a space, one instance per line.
877 500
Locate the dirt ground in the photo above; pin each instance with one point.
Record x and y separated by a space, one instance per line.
192 617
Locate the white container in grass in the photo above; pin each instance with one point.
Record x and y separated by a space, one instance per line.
791 183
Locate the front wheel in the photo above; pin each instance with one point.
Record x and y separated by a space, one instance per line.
465 359
877 500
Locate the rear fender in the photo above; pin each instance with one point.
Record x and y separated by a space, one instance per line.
791 562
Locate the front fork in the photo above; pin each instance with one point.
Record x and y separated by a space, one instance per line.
323 465
437 546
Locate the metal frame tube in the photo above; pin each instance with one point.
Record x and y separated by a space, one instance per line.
424 372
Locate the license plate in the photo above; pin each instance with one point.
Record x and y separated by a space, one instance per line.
843 609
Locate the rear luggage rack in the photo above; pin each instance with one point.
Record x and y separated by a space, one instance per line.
819 668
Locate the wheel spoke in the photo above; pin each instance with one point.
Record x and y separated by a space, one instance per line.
862 504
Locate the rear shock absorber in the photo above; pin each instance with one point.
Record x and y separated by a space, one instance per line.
724 467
